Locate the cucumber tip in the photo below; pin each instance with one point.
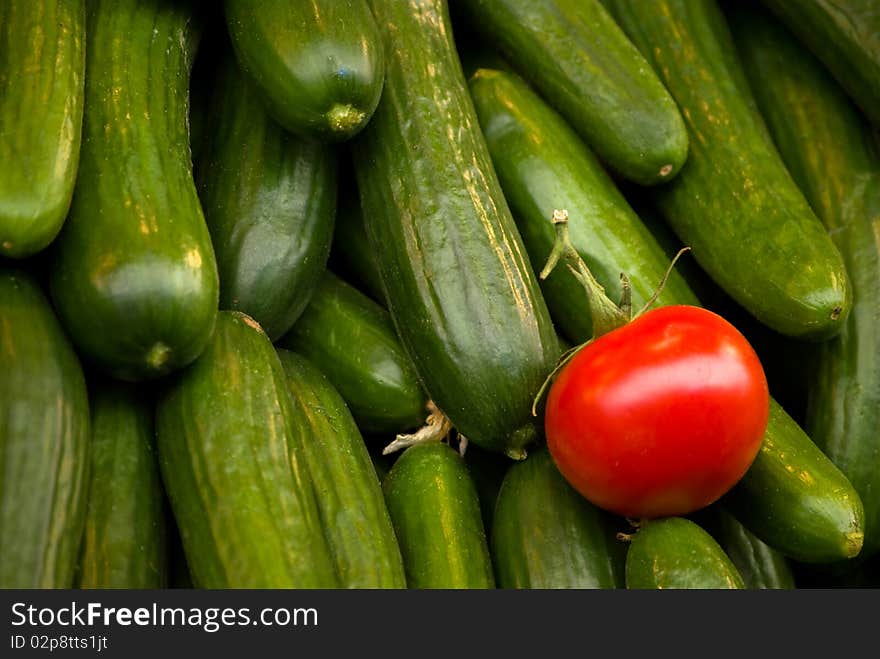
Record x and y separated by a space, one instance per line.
158 356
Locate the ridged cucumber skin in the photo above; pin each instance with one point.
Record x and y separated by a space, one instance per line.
270 202
734 203
843 35
543 165
234 468
464 299
44 441
795 499
578 58
319 65
125 539
827 146
351 339
134 278
435 509
350 501
42 67
545 535
676 553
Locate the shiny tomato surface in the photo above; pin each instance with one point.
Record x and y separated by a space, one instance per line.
661 416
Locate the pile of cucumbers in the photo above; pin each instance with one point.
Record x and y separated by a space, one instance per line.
245 247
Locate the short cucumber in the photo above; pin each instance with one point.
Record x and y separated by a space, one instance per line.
734 203
44 441
134 277
488 470
124 543
319 64
676 553
436 514
579 59
269 200
234 468
546 535
844 35
464 299
351 339
353 512
42 69
543 166
827 146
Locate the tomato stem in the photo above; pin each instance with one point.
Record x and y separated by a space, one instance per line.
659 288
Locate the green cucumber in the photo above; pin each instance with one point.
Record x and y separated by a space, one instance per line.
676 553
42 68
134 278
579 59
487 469
734 203
828 148
463 297
269 200
319 64
235 470
435 509
351 339
795 499
124 543
546 535
543 166
44 441
350 502
845 36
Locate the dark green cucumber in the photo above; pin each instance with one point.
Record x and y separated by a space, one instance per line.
488 470
134 278
436 514
795 499
350 502
733 202
42 67
845 36
464 299
44 441
235 470
546 535
269 200
761 566
579 59
676 553
351 339
827 147
124 542
543 166
319 64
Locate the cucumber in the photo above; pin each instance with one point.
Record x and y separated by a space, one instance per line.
269 200
42 67
435 509
676 553
733 202
795 499
353 513
843 34
235 470
828 148
124 543
44 441
351 339
319 64
542 166
546 535
579 59
464 299
134 278
487 470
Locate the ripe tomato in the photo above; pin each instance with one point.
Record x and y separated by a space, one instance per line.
661 416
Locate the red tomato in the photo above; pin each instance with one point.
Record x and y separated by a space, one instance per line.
661 416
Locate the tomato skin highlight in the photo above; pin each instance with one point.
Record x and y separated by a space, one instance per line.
659 417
